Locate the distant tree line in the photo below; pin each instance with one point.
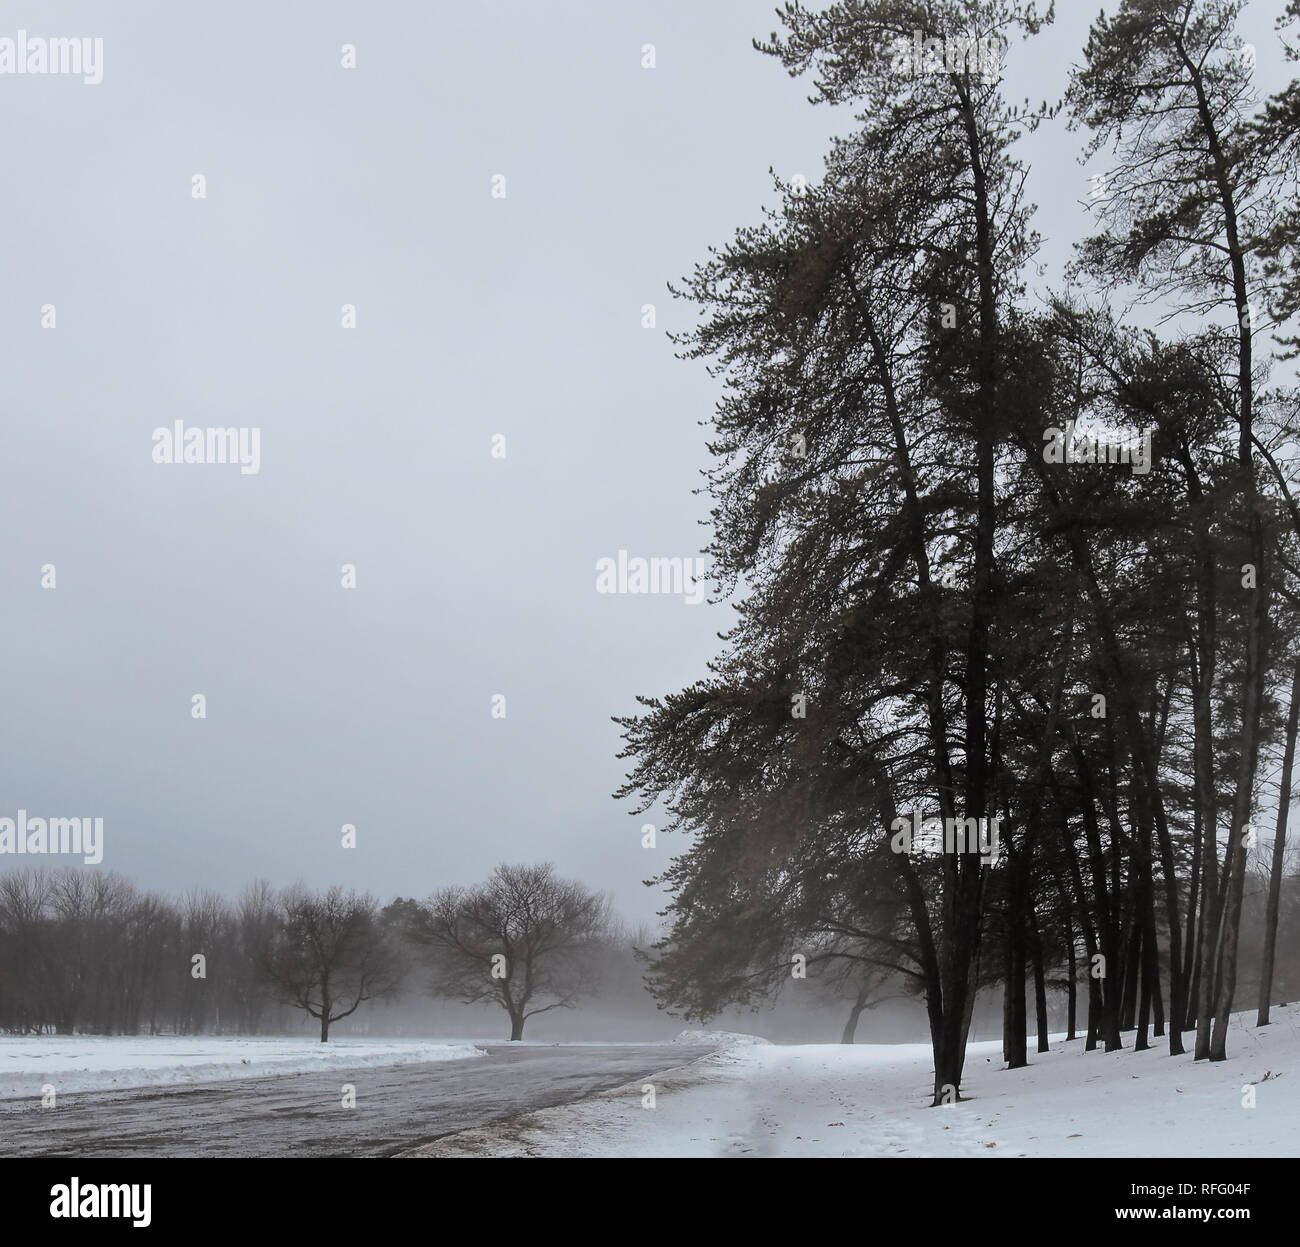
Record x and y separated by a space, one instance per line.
85 951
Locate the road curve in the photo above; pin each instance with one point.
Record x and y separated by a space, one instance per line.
397 1106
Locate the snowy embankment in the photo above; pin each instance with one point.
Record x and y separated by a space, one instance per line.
757 1099
105 1063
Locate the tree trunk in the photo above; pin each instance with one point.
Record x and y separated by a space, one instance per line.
851 1025
516 1026
1040 988
1015 1024
1089 944
1199 998
1241 807
969 1010
1157 1000
1107 904
1150 953
1177 983
1141 1043
1279 854
1211 925
1072 996
963 883
1191 938
947 1071
1132 966
1257 618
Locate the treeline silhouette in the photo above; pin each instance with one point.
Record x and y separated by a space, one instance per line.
86 951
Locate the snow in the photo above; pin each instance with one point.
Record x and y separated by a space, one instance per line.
104 1063
758 1099
729 1039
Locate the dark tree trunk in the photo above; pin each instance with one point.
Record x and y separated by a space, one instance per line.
1257 618
947 1071
1132 966
850 1026
969 1011
1241 807
1194 993
1157 1001
1015 1049
963 882
1141 1043
1089 943
1150 952
1211 926
1191 939
1040 981
1177 984
1204 658
1279 855
1072 952
1072 994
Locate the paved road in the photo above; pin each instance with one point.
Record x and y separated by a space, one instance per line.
398 1106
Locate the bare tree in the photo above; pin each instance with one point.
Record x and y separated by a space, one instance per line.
88 911
864 985
525 939
24 992
331 953
256 923
207 920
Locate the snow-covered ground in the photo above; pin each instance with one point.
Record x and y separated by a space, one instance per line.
102 1063
758 1099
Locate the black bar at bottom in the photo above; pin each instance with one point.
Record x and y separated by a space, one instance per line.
339 1198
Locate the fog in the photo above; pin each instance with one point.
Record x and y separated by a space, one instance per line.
475 318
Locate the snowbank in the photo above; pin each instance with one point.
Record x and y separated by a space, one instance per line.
103 1063
872 1100
721 1039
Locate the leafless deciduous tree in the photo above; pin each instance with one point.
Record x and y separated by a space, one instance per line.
526 939
331 953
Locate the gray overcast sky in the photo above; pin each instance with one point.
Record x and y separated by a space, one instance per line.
475 316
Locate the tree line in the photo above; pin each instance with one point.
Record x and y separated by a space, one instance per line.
955 602
84 951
